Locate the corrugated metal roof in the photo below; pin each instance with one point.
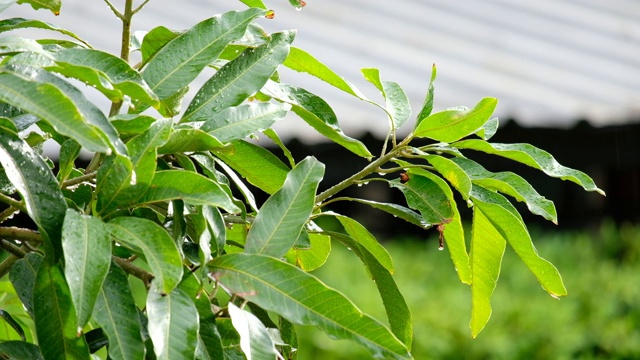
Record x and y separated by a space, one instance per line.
550 63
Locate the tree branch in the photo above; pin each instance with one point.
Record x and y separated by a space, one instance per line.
129 268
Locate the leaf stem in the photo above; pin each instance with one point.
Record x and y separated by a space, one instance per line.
12 248
79 179
131 269
113 8
8 213
16 233
140 7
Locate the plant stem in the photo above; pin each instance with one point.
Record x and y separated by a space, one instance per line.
8 213
9 247
79 179
12 202
16 233
129 268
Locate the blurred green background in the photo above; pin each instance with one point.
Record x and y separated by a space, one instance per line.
600 319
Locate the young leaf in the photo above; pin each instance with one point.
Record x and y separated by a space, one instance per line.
55 318
427 106
116 313
534 157
254 338
317 113
510 184
33 179
283 215
180 61
151 240
453 124
453 173
21 23
87 255
302 299
273 136
259 166
51 104
397 103
239 79
238 122
313 257
173 324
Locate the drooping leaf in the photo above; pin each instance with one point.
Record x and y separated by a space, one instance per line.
273 136
282 216
151 240
534 157
87 255
427 106
188 139
450 170
248 195
22 23
396 101
302 299
55 318
177 63
396 210
259 166
238 122
173 324
191 187
487 249
51 104
254 338
239 79
453 124
313 257
16 350
23 277
33 179
116 313
53 5
424 195
510 184
489 129
317 113
69 151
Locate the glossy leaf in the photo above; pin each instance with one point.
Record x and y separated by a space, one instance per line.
313 257
191 187
151 240
396 210
53 5
453 124
259 166
397 103
143 151
55 318
360 234
23 277
254 3
282 216
22 23
273 136
451 171
302 299
33 179
424 195
188 139
51 104
254 338
87 256
534 157
248 195
114 177
13 324
427 105
131 124
155 40
489 129
108 73
116 313
317 113
487 249
16 350
69 151
173 324
240 78
510 184
180 61
238 122
501 214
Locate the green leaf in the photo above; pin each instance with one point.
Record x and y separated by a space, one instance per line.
55 318
188 139
453 124
17 350
239 79
51 104
313 257
254 3
160 251
281 218
254 338
131 124
534 157
489 129
510 184
302 299
427 106
33 179
273 136
69 151
116 313
142 149
397 103
155 40
109 74
191 187
501 215
114 176
21 23
317 113
7 318
259 166
53 5
87 256
424 194
180 61
451 171
238 122
487 249
173 324
396 210
23 277
248 195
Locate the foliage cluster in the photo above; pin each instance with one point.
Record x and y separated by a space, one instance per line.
166 199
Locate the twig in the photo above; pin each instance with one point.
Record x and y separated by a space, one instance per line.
79 179
8 246
129 268
12 202
16 233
